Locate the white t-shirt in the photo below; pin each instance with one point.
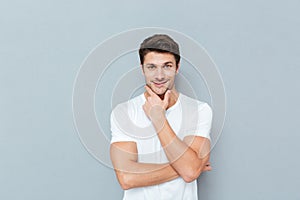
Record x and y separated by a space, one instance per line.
130 123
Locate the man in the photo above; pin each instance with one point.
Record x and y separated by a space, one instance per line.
160 139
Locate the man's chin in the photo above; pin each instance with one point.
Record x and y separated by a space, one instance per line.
159 91
161 94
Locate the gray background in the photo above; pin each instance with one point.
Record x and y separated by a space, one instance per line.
254 43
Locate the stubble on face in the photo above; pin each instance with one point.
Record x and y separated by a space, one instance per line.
161 95
160 82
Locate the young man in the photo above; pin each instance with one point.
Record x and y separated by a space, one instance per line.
160 139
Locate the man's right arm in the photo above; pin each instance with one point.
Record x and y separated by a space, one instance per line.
131 173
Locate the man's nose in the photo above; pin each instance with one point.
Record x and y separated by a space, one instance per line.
160 74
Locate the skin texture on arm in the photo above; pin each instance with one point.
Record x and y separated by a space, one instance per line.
131 173
189 157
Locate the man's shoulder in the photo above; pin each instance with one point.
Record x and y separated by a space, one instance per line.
193 102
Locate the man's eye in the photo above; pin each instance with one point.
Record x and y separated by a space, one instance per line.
151 67
167 66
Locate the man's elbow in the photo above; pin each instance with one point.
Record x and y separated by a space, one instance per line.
124 180
190 175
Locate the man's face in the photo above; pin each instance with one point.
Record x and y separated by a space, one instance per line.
160 70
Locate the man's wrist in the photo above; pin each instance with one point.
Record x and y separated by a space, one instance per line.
159 121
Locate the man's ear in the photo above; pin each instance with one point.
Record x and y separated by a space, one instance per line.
177 69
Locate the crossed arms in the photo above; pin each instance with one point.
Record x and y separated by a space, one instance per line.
188 158
131 173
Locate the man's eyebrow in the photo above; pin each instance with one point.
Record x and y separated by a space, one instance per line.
168 62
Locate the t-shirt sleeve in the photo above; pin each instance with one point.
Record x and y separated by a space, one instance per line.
117 134
203 123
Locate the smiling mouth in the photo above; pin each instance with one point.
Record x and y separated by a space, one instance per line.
159 84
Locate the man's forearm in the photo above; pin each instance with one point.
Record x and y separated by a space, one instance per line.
182 158
145 174
132 174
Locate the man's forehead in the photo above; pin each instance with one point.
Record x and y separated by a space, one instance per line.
159 58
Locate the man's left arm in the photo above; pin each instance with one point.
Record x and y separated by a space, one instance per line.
188 157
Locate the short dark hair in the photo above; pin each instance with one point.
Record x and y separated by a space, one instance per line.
159 43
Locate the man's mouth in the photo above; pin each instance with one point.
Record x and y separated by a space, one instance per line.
159 84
